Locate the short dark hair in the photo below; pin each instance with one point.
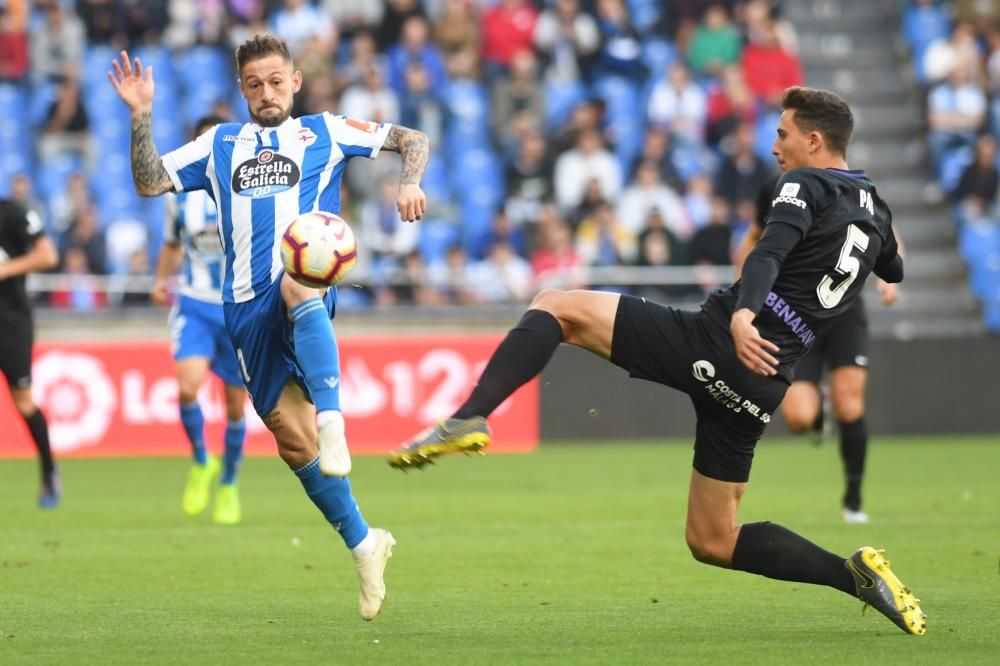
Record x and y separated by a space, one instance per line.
821 111
206 122
261 45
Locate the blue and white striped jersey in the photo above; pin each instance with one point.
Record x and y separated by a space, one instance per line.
261 178
193 222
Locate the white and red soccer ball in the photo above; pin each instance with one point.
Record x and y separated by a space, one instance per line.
318 249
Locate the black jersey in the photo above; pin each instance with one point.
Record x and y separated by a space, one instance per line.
19 229
846 231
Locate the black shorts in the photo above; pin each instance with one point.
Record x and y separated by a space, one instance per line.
692 353
17 335
844 344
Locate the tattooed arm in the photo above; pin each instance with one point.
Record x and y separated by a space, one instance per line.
148 173
414 148
135 86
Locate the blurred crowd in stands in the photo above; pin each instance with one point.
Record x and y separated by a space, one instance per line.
565 134
955 48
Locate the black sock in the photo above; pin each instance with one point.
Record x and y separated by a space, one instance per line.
853 447
39 430
522 355
773 551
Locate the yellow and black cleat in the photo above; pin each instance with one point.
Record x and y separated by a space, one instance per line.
466 436
879 588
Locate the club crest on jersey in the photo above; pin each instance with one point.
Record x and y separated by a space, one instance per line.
265 175
306 136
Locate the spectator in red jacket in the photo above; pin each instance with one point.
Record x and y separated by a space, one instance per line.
507 28
769 68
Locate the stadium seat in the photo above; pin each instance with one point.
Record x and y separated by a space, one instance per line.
52 174
560 99
468 124
435 183
991 315
96 64
658 54
618 94
984 274
436 236
160 59
478 170
977 241
645 14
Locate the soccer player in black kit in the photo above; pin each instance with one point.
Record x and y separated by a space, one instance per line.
24 248
842 354
827 229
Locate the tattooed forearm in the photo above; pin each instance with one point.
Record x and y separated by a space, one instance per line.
413 147
150 178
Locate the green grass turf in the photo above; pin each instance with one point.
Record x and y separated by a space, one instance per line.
572 555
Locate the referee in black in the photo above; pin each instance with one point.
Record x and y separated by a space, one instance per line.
24 248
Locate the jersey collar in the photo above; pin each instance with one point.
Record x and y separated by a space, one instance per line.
857 174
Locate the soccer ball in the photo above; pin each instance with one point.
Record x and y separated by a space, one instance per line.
318 249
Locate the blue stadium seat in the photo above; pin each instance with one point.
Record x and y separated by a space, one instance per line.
435 183
478 170
619 95
645 14
764 134
984 275
161 60
658 54
96 65
977 241
991 315
560 100
436 236
468 124
15 102
205 77
52 174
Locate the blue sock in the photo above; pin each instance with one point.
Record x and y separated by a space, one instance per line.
332 496
194 425
316 352
235 433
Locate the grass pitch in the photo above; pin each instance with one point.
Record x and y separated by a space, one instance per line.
572 555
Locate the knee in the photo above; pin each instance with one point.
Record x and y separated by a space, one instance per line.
187 392
708 550
548 300
296 452
848 405
296 445
234 409
797 419
24 403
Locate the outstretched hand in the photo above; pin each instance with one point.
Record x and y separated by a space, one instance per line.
753 350
132 83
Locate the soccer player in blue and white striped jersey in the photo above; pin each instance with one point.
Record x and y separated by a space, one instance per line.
199 342
262 175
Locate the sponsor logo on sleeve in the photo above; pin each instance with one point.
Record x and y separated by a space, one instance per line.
789 194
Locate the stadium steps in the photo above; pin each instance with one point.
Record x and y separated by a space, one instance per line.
854 48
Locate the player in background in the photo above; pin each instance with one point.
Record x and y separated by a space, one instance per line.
24 248
827 229
200 343
262 175
843 353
